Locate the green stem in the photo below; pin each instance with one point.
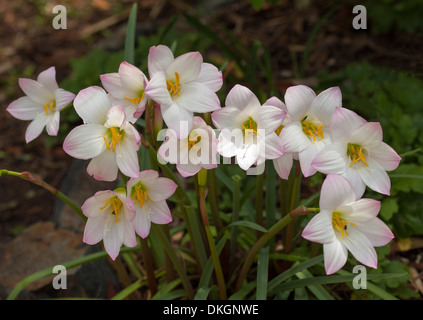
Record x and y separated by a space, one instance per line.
195 235
36 180
259 201
213 200
235 215
261 242
148 265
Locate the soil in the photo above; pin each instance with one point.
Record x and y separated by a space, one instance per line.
29 45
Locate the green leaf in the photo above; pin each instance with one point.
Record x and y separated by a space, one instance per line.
243 292
248 224
130 35
262 273
388 208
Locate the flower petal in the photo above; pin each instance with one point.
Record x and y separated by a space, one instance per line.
63 98
103 167
53 122
343 123
36 91
142 222
131 77
298 100
159 189
360 247
369 135
159 59
283 165
335 191
353 177
196 97
335 256
187 66
375 177
241 97
307 156
325 103
272 146
362 210
331 159
48 79
156 90
112 240
385 156
36 127
247 156
269 118
127 158
293 138
376 231
93 231
320 228
178 119
160 213
85 141
188 169
92 207
210 77
24 108
92 105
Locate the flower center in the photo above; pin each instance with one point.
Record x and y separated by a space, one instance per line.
355 153
138 98
173 86
278 130
49 107
139 194
249 127
340 224
312 130
116 136
116 204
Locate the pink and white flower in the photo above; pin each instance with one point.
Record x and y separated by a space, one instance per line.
110 217
127 89
196 151
182 86
42 104
148 193
106 137
247 128
346 223
358 153
308 130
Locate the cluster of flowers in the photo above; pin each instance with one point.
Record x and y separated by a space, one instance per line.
313 129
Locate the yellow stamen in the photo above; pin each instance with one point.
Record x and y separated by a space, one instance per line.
48 107
340 224
356 154
116 204
312 130
249 126
174 87
139 195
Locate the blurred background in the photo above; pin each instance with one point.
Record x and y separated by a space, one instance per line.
265 45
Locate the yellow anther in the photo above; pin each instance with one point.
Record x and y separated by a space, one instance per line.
48 107
174 87
356 154
340 224
116 204
139 195
311 130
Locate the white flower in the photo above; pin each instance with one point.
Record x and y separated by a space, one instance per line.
346 223
182 86
42 104
358 153
248 128
106 137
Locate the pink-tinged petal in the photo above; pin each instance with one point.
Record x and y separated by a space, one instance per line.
325 103
52 125
369 135
48 79
226 118
332 159
360 247
361 210
335 256
159 189
92 207
276 102
229 142
178 119
127 158
320 228
92 105
156 90
210 77
129 237
307 156
112 240
142 222
375 177
343 123
241 97
36 91
169 149
269 118
376 231
103 167
94 230
85 141
160 213
335 191
247 156
24 109
146 176
116 117
187 66
36 127
293 138
272 146
63 98
196 97
188 170
111 82
298 100
159 59
131 77
353 177
385 156
283 165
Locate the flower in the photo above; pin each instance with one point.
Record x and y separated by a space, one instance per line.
307 132
196 151
42 104
346 223
110 217
358 153
106 137
148 193
127 89
182 86
251 124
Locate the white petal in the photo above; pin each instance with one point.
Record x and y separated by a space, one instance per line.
331 159
63 98
375 177
229 142
360 247
187 66
226 118
85 141
269 118
24 109
127 158
293 138
335 256
142 222
116 117
52 125
385 156
113 240
36 127
196 97
273 147
160 213
48 79
376 231
156 90
283 165
241 97
369 135
93 232
36 91
188 170
335 191
353 176
178 119
307 156
210 76
343 123
362 210
92 105
298 100
324 105
247 156
159 59
131 77
92 207
320 228
129 238
103 167
159 189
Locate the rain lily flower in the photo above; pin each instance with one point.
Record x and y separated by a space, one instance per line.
110 217
358 153
251 125
42 104
126 88
182 86
346 223
148 193
106 137
196 151
308 130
